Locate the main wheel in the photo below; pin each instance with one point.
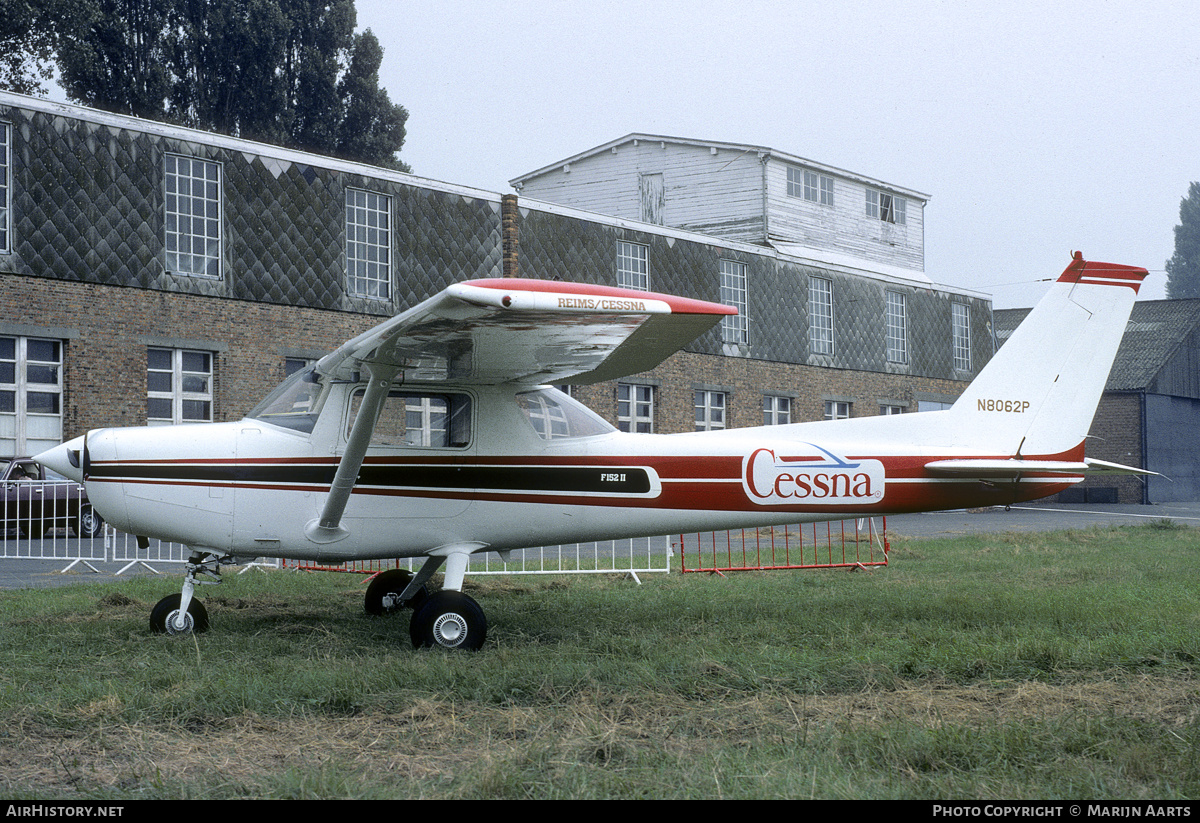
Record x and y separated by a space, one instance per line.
162 616
384 590
88 524
449 620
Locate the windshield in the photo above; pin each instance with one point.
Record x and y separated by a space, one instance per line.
295 403
553 415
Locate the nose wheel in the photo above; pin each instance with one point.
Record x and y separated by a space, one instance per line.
181 613
165 617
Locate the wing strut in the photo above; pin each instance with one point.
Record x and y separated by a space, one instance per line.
328 528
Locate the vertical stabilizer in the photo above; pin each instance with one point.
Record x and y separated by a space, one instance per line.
1038 394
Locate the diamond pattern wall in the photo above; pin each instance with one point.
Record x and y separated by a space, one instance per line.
88 206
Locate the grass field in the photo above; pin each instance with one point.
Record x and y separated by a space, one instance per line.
1008 666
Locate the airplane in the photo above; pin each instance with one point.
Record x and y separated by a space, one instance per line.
438 435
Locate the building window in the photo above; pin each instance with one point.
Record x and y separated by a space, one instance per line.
179 386
635 408
5 189
193 216
817 188
897 328
888 409
633 266
368 244
31 386
820 315
777 411
710 410
291 365
961 333
837 410
734 329
887 207
795 182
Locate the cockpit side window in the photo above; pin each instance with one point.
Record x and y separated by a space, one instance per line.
417 419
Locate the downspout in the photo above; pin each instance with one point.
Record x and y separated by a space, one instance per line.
763 157
1144 462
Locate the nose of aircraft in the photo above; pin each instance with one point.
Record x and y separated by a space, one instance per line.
66 459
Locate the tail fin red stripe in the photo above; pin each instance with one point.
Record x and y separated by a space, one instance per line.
1102 274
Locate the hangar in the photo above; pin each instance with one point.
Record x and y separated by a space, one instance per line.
152 274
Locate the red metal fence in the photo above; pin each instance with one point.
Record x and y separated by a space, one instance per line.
829 544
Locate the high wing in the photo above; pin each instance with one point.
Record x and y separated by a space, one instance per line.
505 331
528 331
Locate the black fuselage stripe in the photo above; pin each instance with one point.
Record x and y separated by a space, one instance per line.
577 479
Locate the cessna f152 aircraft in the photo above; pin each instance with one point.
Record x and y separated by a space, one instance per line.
436 435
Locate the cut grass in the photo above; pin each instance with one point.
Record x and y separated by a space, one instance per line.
1003 666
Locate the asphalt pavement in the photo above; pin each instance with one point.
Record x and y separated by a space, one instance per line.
1038 518
18 573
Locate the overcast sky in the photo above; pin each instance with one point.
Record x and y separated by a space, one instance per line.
1037 128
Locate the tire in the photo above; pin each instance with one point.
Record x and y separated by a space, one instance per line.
161 615
88 523
383 593
449 620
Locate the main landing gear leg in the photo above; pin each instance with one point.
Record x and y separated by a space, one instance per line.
448 619
181 613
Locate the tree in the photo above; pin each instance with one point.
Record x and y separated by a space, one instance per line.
26 49
1183 269
288 72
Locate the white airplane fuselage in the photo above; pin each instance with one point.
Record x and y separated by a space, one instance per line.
250 488
331 467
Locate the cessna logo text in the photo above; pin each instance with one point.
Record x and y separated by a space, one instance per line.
773 480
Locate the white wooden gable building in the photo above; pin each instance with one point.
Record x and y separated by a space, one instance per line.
752 194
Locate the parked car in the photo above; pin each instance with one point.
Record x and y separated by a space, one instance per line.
37 499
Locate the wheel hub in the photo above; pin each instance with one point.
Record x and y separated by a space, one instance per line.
172 624
450 630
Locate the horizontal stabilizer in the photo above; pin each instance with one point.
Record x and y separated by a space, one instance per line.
1012 467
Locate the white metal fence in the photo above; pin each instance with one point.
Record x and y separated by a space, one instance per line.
44 521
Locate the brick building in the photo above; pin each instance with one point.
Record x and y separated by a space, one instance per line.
153 274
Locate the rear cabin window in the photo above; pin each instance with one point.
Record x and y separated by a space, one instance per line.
554 415
418 420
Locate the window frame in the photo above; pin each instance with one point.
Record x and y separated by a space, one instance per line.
896 327
633 265
174 217
6 240
960 336
820 305
887 207
733 292
368 257
712 409
638 416
179 394
777 410
23 386
838 409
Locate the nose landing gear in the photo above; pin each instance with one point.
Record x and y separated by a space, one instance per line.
180 613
